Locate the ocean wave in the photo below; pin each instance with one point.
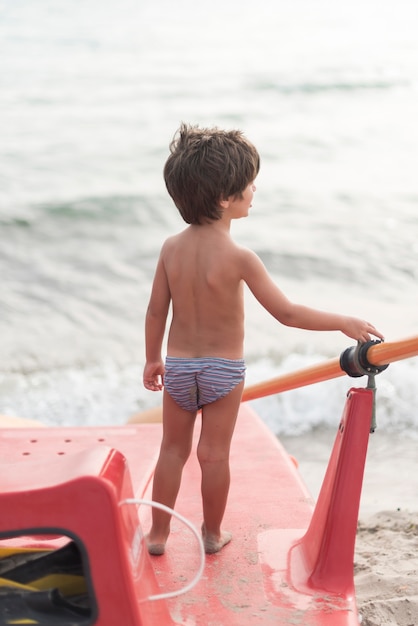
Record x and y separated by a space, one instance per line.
318 87
115 208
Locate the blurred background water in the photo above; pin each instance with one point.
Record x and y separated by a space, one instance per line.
91 94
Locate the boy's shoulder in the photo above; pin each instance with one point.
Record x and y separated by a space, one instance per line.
188 236
171 240
171 243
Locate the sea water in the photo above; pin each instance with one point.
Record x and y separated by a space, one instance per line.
91 95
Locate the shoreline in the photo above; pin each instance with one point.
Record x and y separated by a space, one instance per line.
390 475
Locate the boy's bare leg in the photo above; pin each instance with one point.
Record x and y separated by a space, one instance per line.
218 423
175 449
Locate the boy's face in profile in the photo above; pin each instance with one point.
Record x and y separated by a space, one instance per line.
239 206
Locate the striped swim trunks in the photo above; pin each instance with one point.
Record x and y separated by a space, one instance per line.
192 383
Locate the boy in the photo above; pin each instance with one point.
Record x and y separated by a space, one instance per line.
210 176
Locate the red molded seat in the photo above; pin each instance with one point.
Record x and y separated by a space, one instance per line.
79 496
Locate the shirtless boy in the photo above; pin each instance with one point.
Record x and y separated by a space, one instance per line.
210 176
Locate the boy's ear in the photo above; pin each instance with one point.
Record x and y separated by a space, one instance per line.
224 203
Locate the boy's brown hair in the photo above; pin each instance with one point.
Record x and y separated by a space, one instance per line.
207 165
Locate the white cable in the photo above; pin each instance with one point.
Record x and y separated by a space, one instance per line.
197 577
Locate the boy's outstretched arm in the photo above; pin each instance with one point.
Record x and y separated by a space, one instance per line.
155 322
297 315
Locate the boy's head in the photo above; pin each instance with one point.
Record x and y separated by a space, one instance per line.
206 166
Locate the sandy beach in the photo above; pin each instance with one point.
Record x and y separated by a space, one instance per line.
386 553
386 569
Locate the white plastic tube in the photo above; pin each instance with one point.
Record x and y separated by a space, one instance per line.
198 575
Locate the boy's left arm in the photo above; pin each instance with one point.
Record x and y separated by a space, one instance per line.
297 315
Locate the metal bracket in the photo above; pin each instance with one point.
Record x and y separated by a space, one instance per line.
354 362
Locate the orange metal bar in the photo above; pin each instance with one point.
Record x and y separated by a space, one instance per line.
383 353
300 378
379 354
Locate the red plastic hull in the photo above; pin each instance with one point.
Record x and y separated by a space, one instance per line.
285 565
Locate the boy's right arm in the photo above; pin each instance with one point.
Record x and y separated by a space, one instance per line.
155 322
277 304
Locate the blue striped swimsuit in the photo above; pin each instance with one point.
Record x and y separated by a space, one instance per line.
192 383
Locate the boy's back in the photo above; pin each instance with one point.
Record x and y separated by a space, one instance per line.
204 280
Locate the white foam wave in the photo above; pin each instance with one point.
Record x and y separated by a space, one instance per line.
302 410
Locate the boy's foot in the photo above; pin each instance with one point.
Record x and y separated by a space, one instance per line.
156 549
213 544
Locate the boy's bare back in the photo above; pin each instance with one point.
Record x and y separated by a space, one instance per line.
203 276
